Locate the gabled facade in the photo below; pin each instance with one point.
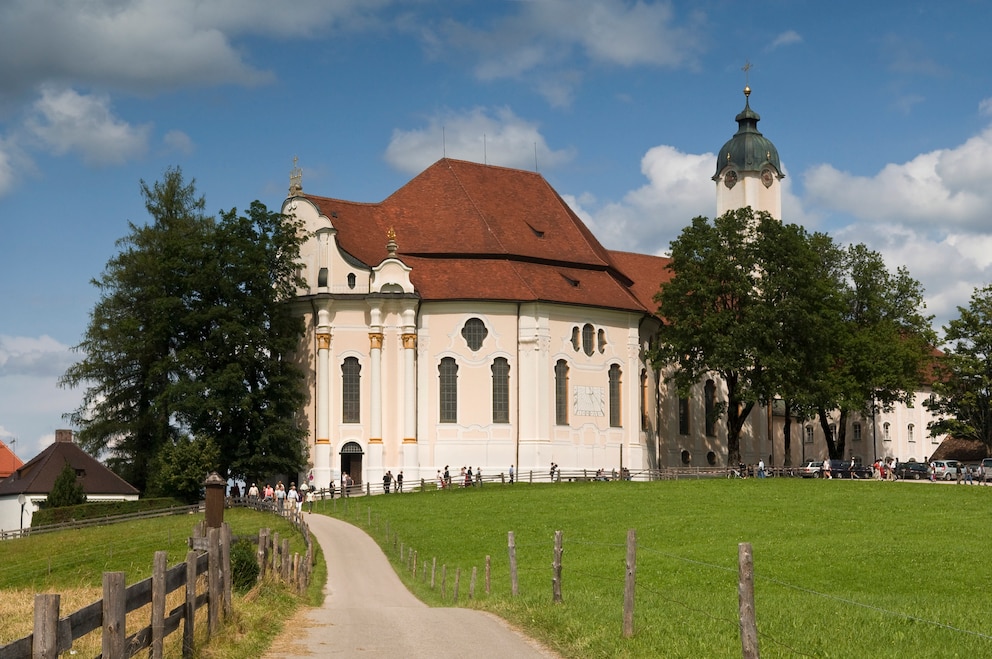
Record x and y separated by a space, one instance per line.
29 485
471 319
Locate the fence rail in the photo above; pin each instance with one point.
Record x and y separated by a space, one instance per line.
209 554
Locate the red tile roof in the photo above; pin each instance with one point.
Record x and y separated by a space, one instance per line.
37 475
8 461
480 232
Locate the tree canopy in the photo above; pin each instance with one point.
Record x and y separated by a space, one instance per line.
963 383
192 337
775 311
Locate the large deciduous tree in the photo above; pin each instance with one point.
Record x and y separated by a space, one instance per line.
189 341
745 302
964 375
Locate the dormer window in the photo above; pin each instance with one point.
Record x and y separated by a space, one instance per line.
322 278
351 280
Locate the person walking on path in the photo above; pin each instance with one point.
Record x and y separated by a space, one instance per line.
368 611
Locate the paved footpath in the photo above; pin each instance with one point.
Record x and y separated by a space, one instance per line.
368 611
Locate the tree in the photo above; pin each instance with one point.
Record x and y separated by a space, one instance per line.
129 365
191 337
963 383
181 467
744 302
883 344
66 490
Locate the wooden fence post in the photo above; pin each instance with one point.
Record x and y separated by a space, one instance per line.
263 552
214 594
286 560
471 584
745 595
189 608
433 570
45 641
225 568
556 570
488 573
158 603
628 591
458 579
512 547
114 615
444 581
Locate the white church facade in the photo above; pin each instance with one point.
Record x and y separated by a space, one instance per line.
472 319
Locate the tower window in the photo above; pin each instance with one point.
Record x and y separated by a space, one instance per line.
448 387
351 408
501 390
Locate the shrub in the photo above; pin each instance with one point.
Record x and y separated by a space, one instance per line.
244 566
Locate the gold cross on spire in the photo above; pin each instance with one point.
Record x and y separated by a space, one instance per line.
747 77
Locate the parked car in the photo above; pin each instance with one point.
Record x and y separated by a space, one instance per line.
811 469
913 471
947 470
843 469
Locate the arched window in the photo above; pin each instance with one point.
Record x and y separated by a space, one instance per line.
351 280
886 436
683 415
587 339
601 335
856 429
710 408
474 333
351 391
833 431
448 381
322 278
501 390
576 338
561 393
615 381
910 433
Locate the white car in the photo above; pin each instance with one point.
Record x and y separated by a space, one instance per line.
811 469
947 470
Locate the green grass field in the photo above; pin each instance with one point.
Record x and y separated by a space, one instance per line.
72 563
842 568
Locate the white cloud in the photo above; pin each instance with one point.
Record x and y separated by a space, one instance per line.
946 189
178 141
40 356
65 121
787 38
542 35
148 45
497 137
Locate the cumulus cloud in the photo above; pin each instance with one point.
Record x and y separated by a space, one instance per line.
536 40
148 45
946 188
65 121
497 137
40 356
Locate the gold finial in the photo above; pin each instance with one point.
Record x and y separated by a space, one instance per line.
295 179
391 245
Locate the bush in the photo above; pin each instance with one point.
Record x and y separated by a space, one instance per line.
244 566
98 509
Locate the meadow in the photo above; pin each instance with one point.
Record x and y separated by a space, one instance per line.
71 563
841 568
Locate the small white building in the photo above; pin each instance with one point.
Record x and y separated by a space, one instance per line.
29 485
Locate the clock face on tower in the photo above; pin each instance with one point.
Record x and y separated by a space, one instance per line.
767 177
730 179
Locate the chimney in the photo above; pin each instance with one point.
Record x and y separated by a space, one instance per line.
63 436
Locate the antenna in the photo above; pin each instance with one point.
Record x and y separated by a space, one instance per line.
485 156
536 168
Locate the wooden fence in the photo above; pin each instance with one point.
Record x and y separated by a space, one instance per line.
209 554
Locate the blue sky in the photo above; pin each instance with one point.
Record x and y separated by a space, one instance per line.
881 112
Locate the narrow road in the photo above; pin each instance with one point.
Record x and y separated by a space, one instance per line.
368 611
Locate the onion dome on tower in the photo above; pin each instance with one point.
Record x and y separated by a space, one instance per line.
745 160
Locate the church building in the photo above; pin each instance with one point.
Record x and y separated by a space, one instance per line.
472 319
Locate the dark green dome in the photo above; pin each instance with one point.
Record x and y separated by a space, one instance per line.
748 150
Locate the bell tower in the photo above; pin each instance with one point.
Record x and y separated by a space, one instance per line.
748 171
